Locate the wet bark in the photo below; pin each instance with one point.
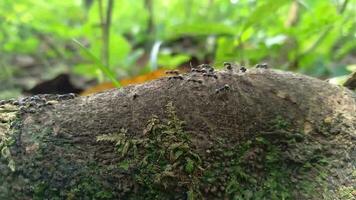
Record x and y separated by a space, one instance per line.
52 148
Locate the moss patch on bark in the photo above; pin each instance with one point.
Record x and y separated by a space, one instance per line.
164 163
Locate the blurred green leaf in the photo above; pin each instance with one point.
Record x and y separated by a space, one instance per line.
87 70
199 29
263 11
110 74
226 50
351 68
169 61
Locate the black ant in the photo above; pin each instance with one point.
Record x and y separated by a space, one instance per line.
64 96
262 66
180 77
225 88
3 102
199 70
195 81
210 75
176 72
203 68
228 65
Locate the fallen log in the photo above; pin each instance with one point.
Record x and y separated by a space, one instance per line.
255 134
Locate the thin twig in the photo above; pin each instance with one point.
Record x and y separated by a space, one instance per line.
106 33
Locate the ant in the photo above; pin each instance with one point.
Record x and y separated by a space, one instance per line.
199 70
176 72
228 65
210 75
195 81
203 68
262 66
225 88
180 77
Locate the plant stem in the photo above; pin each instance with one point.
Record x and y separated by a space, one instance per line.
105 22
106 34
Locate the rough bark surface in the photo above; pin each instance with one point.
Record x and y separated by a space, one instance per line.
292 123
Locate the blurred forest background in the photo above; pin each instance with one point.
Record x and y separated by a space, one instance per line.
76 44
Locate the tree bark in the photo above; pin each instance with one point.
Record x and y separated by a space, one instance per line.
246 135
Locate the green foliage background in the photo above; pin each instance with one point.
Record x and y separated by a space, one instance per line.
321 41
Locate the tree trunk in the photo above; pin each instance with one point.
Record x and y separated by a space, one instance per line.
223 135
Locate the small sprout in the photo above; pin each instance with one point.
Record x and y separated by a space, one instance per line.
222 89
228 65
191 66
176 72
189 166
243 69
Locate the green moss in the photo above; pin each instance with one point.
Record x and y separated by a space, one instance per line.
85 185
253 170
61 177
162 159
90 188
9 120
346 193
279 123
83 188
274 164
